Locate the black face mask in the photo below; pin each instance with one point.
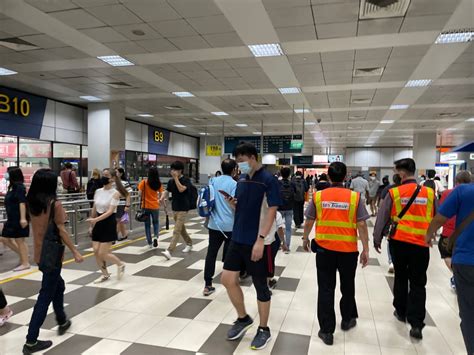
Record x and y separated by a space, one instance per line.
104 180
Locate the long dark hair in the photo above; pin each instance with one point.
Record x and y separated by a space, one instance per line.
42 191
122 174
118 183
154 178
15 175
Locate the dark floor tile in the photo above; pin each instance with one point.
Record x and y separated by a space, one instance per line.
374 262
287 284
89 264
23 305
287 343
217 342
142 349
174 273
134 259
190 308
279 270
21 288
8 327
76 344
86 279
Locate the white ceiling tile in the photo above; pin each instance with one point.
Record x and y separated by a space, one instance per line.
157 45
424 23
43 55
230 39
215 65
243 63
43 41
335 30
174 28
296 33
104 34
333 66
191 42
195 8
431 7
304 58
152 10
52 5
223 73
77 19
92 3
187 66
339 56
368 54
127 31
409 51
198 75
15 28
331 13
379 26
373 63
275 4
114 15
211 24
124 48
293 16
69 53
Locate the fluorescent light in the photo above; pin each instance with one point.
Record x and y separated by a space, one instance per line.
183 94
115 60
379 130
455 36
5 71
204 134
387 121
90 98
220 113
470 119
258 133
399 107
367 145
452 129
241 124
179 125
145 115
309 123
289 90
418 83
301 110
266 50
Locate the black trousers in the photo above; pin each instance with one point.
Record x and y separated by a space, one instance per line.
3 300
464 278
298 212
409 292
328 262
216 238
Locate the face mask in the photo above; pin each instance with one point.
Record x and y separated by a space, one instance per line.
372 178
245 167
104 180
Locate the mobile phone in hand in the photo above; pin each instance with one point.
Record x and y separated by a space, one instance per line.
226 195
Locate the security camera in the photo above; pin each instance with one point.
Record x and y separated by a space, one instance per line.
318 120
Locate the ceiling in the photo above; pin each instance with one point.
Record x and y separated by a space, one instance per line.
200 46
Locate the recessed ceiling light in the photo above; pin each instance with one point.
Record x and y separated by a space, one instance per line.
301 110
418 83
174 107
179 125
470 119
309 123
289 90
115 60
204 134
259 133
455 36
5 71
367 145
399 107
241 124
90 98
183 94
387 121
379 130
220 113
145 115
266 50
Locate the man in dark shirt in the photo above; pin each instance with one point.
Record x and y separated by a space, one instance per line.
178 186
257 191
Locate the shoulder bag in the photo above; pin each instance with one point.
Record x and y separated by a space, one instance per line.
457 232
140 215
392 225
52 250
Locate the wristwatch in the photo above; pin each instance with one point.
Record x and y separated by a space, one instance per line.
261 236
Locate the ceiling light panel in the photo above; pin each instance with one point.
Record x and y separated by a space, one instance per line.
183 94
399 107
455 36
220 113
5 71
266 50
470 119
241 125
115 60
179 125
418 83
286 91
257 133
90 98
301 110
387 121
145 115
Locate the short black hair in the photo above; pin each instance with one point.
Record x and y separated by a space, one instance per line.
247 149
299 173
323 177
407 164
337 171
228 166
68 165
285 172
177 165
431 173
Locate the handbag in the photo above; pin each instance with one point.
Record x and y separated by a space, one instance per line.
52 250
141 215
457 232
392 224
125 218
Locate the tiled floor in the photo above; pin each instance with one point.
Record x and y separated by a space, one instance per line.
158 308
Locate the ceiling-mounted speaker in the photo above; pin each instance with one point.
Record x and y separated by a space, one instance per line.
382 3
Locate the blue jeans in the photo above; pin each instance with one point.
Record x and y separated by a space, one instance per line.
288 217
52 290
154 218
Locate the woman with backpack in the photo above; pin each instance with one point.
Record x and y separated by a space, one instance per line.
151 192
123 207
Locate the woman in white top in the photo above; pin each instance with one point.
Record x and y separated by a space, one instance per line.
104 224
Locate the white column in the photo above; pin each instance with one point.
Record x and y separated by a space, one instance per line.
105 133
424 150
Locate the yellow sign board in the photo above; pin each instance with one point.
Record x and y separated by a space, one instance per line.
214 150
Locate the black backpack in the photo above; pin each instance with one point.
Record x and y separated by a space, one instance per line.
300 190
193 196
431 184
287 195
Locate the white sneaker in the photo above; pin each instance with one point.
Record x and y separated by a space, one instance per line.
391 269
166 254
188 249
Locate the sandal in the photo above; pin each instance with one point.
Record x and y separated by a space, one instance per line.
21 268
208 290
102 279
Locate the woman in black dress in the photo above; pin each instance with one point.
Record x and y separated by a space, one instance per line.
16 228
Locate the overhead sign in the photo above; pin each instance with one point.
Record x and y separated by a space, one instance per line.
296 144
158 140
333 158
448 156
21 114
321 159
271 144
302 160
214 150
230 143
284 161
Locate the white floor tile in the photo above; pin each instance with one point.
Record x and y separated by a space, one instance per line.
353 348
107 347
193 336
164 332
105 326
298 322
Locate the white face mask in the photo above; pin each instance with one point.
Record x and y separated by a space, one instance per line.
372 178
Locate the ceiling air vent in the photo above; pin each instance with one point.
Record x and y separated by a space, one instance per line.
174 107
448 114
260 104
119 85
17 44
199 118
360 72
356 117
373 9
361 101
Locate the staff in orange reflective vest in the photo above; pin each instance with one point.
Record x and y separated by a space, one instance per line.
340 219
407 244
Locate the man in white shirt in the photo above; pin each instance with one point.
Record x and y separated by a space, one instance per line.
360 185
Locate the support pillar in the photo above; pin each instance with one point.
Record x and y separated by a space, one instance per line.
424 150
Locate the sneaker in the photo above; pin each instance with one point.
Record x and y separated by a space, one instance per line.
327 338
261 339
208 290
272 283
122 238
188 249
6 317
103 278
38 346
150 246
120 271
416 333
391 269
346 325
62 328
166 254
155 242
239 328
453 283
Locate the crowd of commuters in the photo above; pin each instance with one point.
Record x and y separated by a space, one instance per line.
253 217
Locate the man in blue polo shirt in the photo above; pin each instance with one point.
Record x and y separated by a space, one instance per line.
459 203
255 188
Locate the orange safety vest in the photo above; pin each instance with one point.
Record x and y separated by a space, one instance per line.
336 219
414 224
